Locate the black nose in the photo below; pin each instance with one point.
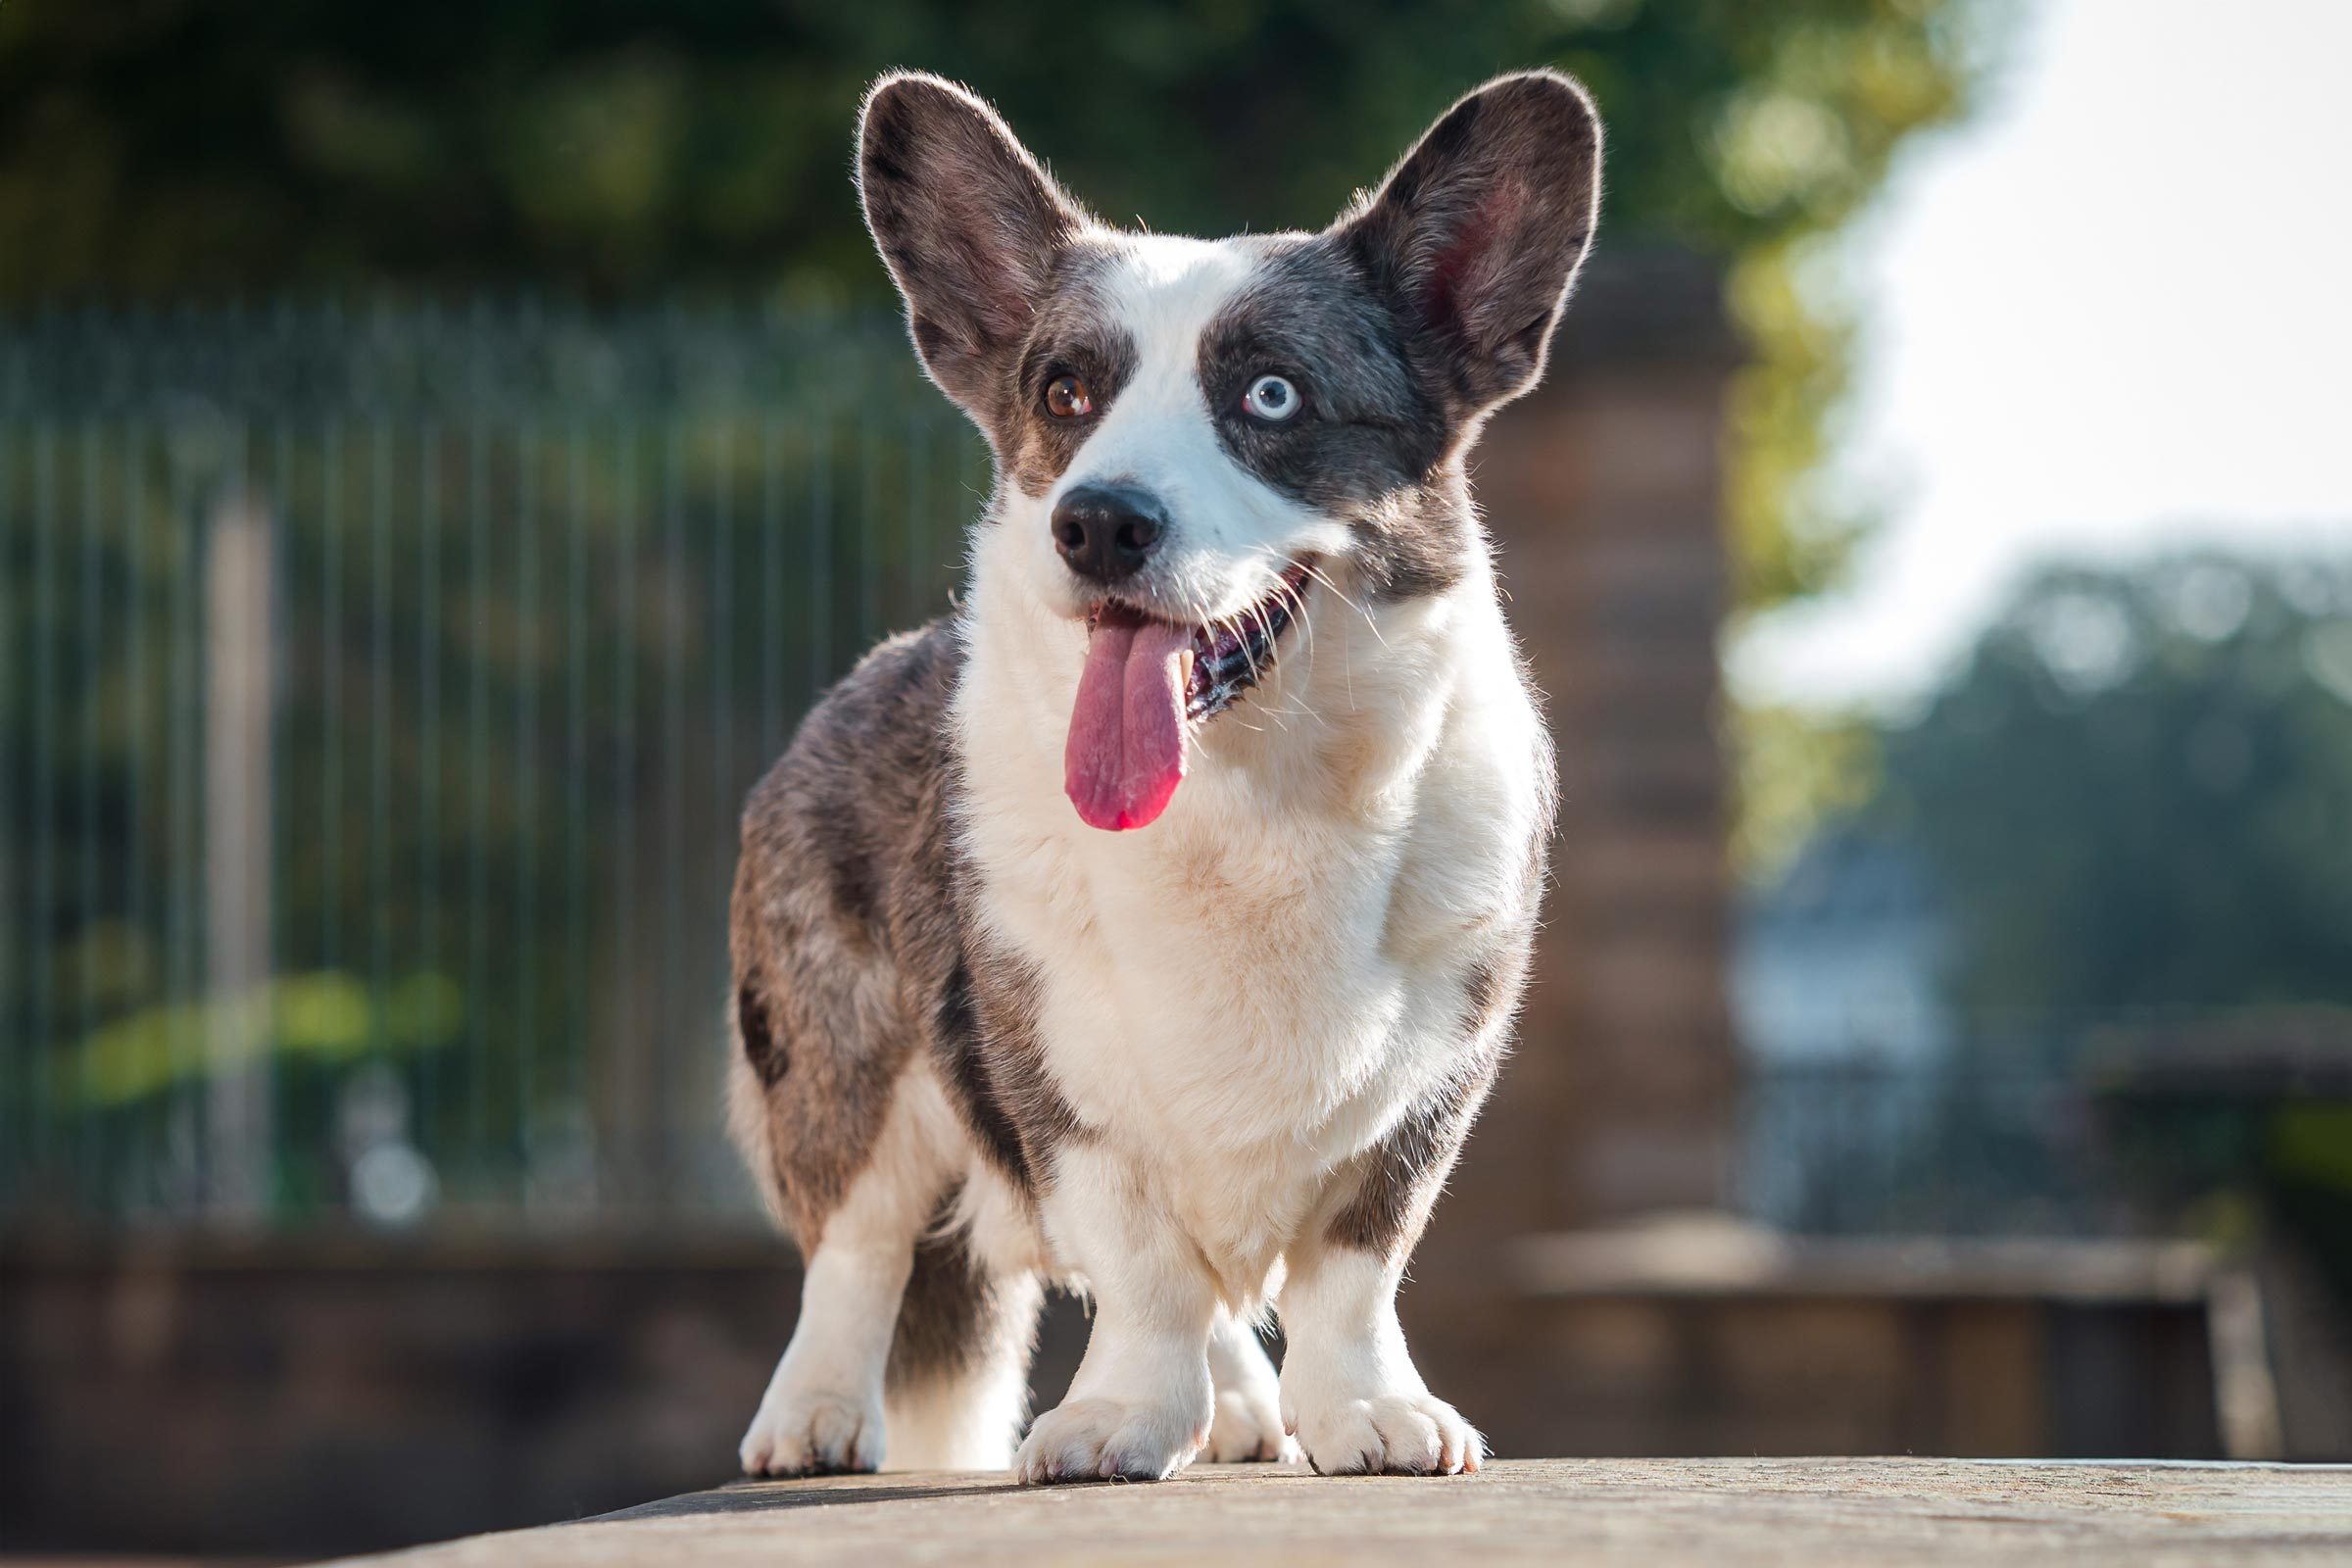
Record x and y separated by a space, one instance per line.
1105 532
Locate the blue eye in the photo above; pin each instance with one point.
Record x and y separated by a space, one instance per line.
1271 399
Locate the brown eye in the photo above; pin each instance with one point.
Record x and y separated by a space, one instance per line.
1066 398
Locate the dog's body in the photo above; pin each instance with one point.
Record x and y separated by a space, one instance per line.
1227 1059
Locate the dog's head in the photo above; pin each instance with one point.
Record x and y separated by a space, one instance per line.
1192 437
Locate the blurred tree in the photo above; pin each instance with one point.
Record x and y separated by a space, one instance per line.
2139 791
1798 772
161 149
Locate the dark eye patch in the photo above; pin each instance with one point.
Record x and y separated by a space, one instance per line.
1367 445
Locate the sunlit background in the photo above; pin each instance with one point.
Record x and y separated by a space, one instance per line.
443 449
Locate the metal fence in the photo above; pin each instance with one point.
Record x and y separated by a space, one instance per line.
1977 1145
378 691
2105 1122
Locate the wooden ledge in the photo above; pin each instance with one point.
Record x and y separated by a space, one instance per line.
1641 1513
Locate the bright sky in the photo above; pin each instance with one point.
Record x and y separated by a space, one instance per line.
2110 314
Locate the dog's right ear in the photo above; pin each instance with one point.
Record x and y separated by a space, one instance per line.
969 226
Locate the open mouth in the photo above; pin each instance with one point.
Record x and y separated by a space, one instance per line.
1146 679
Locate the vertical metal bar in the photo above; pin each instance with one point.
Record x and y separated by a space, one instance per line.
821 553
379 750
428 765
865 529
707 974
722 616
15 1090
186 846
523 918
135 748
43 820
669 993
307 724
281 513
575 814
770 599
624 1106
237 788
478 768
88 1170
331 816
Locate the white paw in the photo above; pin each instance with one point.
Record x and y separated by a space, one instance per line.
1399 1434
1108 1440
1249 1426
810 1431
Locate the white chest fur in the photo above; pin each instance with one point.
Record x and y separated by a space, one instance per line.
1243 995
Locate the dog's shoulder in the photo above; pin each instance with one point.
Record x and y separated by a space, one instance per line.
856 806
890 709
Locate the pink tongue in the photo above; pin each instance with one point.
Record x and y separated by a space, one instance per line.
1126 750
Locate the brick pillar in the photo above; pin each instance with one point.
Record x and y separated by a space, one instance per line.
1602 490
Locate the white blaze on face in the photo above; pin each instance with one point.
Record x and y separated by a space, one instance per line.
1228 535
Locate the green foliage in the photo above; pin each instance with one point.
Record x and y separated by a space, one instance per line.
1797 150
167 146
1796 771
2311 1144
158 149
328 1017
2139 791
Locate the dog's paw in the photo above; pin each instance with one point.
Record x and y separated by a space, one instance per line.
1398 1433
813 1433
1249 1427
1107 1440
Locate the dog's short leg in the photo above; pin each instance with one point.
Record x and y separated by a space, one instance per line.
822 1411
1249 1418
1350 1390
1139 1407
960 1384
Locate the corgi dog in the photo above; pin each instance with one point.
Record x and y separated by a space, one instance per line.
1154 924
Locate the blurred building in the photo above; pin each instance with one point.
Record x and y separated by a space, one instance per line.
1837 979
1845 958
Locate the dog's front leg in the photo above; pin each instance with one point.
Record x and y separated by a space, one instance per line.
1139 1407
1350 1390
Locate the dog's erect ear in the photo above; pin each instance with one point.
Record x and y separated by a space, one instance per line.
1476 236
969 225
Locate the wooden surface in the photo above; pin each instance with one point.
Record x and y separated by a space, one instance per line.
1651 1514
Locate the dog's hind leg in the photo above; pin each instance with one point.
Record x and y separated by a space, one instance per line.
1247 1424
958 1383
823 1409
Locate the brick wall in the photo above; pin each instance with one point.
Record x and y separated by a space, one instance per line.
1602 490
314 1398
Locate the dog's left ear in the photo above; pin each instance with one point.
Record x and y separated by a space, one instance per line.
1476 236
